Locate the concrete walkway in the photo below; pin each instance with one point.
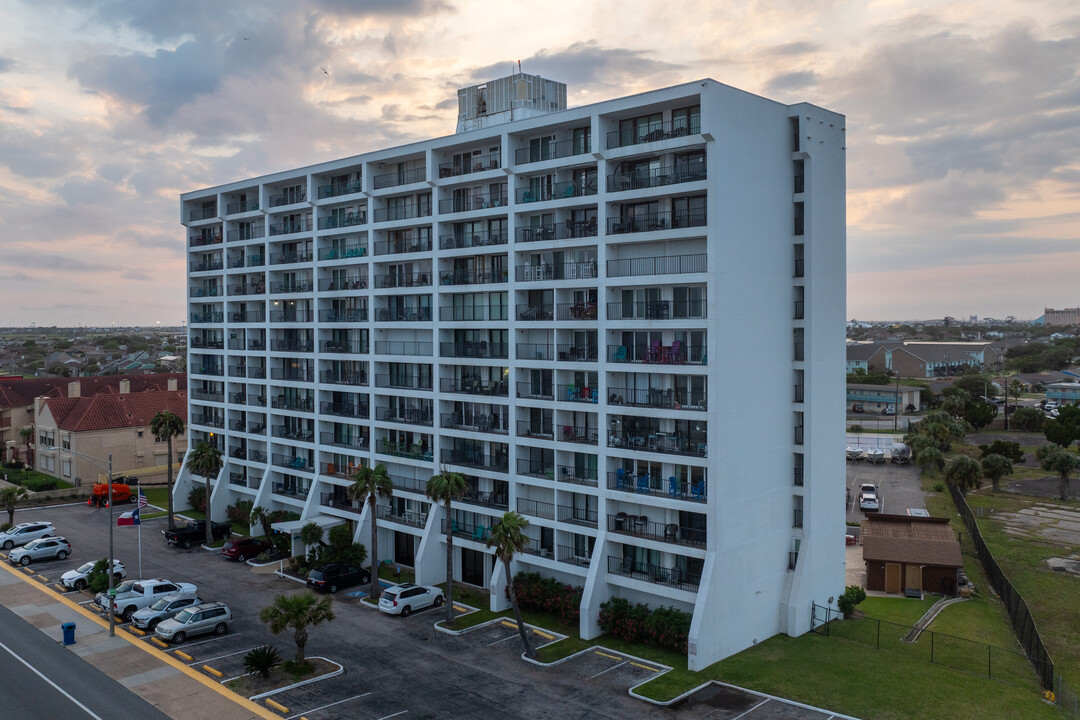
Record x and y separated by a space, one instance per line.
929 616
163 681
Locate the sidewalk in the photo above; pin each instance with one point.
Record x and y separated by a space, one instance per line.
163 681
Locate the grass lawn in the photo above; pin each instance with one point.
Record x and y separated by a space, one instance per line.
34 480
396 574
157 496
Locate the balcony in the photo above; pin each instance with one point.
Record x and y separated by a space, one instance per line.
654 222
541 430
473 386
408 415
248 316
212 370
354 282
572 555
573 393
470 164
576 311
208 421
344 315
557 191
402 280
343 252
256 401
534 351
473 349
338 189
480 276
657 487
414 451
288 196
291 316
535 313
534 391
653 132
358 411
403 347
655 177
404 382
559 231
207 213
292 346
671 577
475 459
415 314
578 516
288 227
292 286
253 231
404 517
551 151
197 292
584 270
467 531
412 244
661 398
207 396
800 310
293 433
659 265
358 442
641 527
344 377
205 238
207 266
475 422
342 220
473 202
339 502
535 468
292 462
256 373
408 211
284 402
659 442
657 354
290 258
485 238
399 177
494 499
300 492
472 313
208 344
577 476
535 508
657 310
345 347
798 434
249 289
578 434
577 353
207 317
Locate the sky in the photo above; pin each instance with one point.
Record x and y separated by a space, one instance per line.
963 125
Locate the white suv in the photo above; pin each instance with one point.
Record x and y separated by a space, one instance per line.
24 533
406 598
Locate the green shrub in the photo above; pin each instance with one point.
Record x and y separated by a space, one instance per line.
535 592
239 512
262 660
1010 450
855 428
939 487
197 498
664 627
853 595
98 578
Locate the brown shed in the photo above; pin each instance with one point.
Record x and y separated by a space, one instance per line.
905 553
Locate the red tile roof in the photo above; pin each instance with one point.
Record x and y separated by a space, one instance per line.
106 411
20 392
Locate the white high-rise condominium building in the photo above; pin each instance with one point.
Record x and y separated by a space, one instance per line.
624 321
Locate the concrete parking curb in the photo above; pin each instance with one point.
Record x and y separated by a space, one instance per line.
326 676
765 696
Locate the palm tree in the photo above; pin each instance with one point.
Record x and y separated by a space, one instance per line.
10 497
312 537
205 460
27 435
370 485
1058 459
964 472
165 426
260 516
508 537
995 466
443 488
297 611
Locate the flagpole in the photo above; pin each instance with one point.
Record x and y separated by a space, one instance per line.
138 506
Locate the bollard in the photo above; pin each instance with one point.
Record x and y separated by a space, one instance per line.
69 633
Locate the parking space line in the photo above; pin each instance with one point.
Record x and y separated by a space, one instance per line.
613 657
608 669
223 656
323 707
645 667
751 709
387 717
213 639
508 637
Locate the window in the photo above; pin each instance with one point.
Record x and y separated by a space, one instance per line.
799 175
686 121
65 468
582 141
798 218
798 469
797 518
139 433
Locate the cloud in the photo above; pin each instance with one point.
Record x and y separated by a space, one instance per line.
791 81
6 64
791 48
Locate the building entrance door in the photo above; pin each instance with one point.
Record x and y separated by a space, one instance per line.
892 578
472 567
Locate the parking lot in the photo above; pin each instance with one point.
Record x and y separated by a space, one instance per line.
898 487
391 665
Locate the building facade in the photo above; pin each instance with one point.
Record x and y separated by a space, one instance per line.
1065 316
564 308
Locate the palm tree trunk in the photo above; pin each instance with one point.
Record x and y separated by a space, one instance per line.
209 530
1063 487
449 568
168 465
374 551
300 636
529 652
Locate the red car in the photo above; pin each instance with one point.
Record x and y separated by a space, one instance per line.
242 548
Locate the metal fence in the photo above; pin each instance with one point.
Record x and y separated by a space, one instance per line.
927 645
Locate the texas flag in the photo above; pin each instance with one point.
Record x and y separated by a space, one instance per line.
129 518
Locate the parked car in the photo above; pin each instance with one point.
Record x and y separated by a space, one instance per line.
24 533
242 548
164 608
1050 405
332 576
889 410
195 533
142 593
199 619
77 578
406 598
46 548
857 408
868 498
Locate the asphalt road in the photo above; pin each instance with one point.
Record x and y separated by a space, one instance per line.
43 679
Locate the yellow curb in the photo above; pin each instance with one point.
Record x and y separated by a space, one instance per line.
543 634
509 624
645 667
159 641
137 631
212 671
27 570
277 706
59 588
613 657
184 655
460 609
167 659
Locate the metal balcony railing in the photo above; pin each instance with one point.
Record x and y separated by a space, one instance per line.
342 220
473 386
534 351
407 415
535 313
399 177
208 266
483 238
290 258
415 314
659 265
657 310
291 316
654 222
566 230
535 468
574 393
640 526
409 244
475 459
357 442
354 282
671 577
577 434
472 313
203 214
407 211
293 433
556 191
470 164
665 398
475 422
405 517
338 189
344 377
552 151
536 508
576 311
402 280
205 238
578 516
344 252
534 391
288 227
674 354
584 270
653 132
577 476
403 347
541 430
654 177
358 410
657 486
345 347
292 345
284 402
473 349
577 353
344 315
473 202
659 442
290 196
247 231
479 276
574 556
407 382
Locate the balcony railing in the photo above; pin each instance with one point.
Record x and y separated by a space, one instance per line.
402 280
344 315
578 516
655 177
674 354
203 214
343 377
479 276
415 314
407 382
358 442
577 434
289 258
209 421
472 202
291 316
256 372
671 577
666 398
288 227
290 196
470 164
198 292
572 555
577 476
559 231
402 212
293 433
207 317
653 132
534 468
407 415
300 492
208 396
473 386
534 391
254 231
208 266
250 289
657 310
640 526
345 347
248 316
342 220
208 344
565 271
468 531
535 313
535 351
472 313
340 502
475 459
576 311
256 401
574 393
214 370
653 222
496 499
659 442
343 252
292 345
473 349
536 508
551 151
356 410
541 430
476 422
557 191
800 312
413 244
202 239
405 517
577 353
798 434
284 402
403 347
657 487
399 177
659 265
483 238
293 462
338 189
354 282
293 286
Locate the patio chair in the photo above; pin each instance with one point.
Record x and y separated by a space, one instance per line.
478 533
643 483
674 352
673 486
697 490
671 532
620 354
654 352
620 478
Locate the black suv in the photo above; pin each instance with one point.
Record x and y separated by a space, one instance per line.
330 577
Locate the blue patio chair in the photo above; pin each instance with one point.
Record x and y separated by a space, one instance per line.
697 490
620 354
479 532
673 486
643 483
620 478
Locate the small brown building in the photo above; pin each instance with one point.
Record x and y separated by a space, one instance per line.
905 553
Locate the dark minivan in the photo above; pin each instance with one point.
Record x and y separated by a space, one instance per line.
330 577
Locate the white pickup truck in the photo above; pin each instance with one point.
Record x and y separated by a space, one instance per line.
134 595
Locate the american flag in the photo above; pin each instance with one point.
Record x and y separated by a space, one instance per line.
143 502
